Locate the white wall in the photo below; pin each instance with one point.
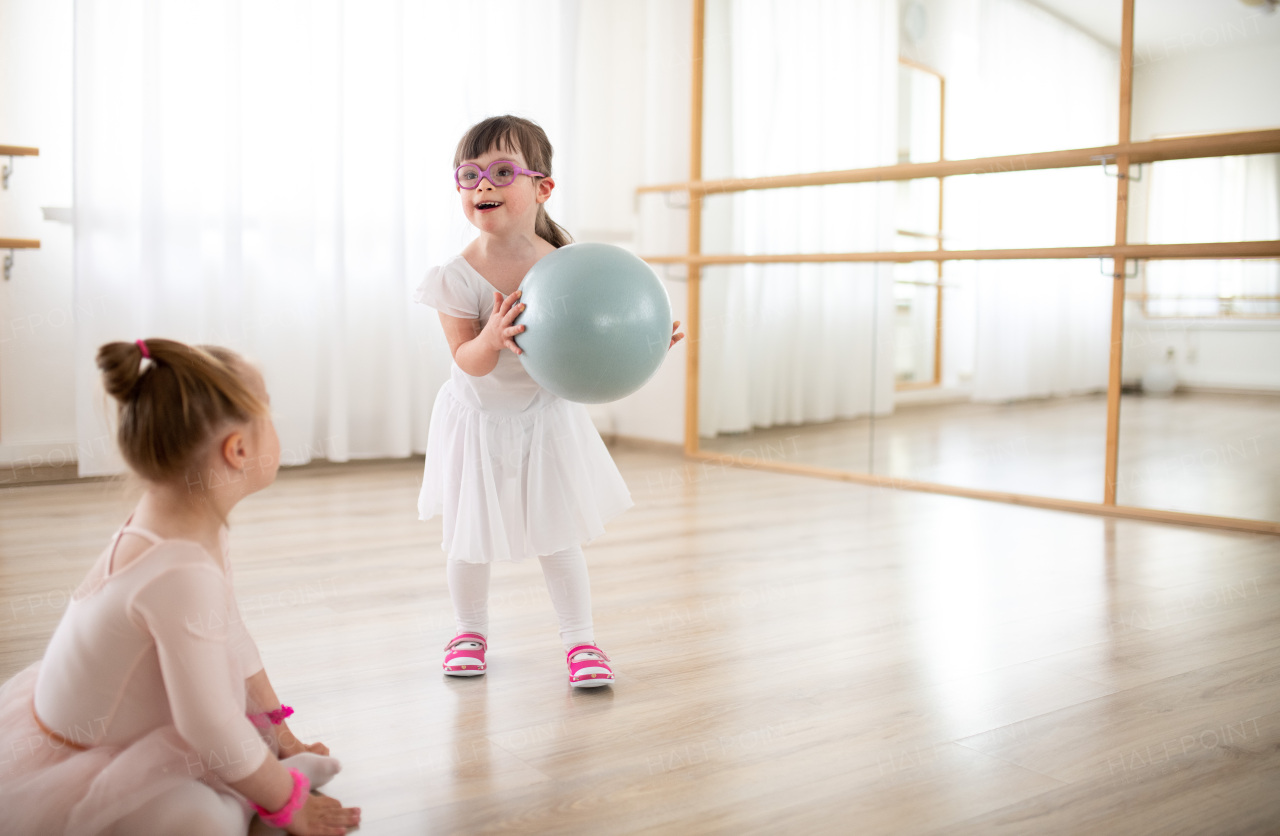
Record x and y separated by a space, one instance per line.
1227 87
37 399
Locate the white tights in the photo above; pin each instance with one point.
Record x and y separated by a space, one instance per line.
196 809
191 808
566 575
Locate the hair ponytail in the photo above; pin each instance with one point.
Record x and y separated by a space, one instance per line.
549 230
522 136
172 398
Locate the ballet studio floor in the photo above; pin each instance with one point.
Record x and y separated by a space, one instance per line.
794 656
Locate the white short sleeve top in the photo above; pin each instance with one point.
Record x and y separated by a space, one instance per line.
457 289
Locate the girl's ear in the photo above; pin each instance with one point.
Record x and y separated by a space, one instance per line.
545 186
234 451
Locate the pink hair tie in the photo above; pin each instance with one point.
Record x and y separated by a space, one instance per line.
142 344
284 816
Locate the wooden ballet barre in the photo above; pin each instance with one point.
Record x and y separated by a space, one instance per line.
1214 145
12 244
1204 297
1225 249
12 151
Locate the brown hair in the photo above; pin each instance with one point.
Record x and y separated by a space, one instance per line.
173 403
511 133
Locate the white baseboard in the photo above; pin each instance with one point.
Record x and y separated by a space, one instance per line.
43 454
933 395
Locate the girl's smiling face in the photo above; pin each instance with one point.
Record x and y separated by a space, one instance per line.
508 210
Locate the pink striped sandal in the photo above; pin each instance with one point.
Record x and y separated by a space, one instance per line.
464 655
589 667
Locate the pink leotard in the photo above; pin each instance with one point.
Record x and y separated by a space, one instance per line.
157 643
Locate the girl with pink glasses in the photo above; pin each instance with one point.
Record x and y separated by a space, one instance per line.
514 471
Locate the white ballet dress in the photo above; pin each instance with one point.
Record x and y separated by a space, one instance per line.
514 471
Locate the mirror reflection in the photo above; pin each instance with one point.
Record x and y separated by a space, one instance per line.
1019 76
771 388
1021 401
1201 399
1199 68
1200 414
993 374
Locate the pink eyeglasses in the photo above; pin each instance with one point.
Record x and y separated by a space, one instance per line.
500 173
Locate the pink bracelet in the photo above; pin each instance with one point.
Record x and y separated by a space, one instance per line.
275 717
284 816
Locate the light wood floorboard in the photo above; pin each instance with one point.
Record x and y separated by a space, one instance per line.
794 655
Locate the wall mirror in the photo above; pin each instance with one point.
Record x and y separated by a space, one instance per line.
924 285
1200 413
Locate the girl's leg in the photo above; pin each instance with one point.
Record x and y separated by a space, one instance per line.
570 589
469 589
193 809
566 574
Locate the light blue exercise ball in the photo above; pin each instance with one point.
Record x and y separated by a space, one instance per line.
597 323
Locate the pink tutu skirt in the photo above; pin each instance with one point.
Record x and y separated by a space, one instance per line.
50 787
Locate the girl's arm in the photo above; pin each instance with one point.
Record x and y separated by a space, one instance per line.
185 611
475 348
261 695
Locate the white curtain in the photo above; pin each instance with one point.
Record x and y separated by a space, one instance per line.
794 87
275 176
1021 80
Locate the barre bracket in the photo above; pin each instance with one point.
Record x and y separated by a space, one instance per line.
1105 159
666 197
1113 274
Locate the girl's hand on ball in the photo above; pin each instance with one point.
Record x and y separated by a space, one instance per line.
498 332
675 337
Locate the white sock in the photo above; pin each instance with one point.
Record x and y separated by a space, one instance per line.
319 769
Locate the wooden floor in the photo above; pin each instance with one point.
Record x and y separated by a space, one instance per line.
794 656
1202 453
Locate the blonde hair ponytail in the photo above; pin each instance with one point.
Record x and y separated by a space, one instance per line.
172 398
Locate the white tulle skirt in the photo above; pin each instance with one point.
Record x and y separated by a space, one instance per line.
511 486
48 787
